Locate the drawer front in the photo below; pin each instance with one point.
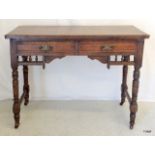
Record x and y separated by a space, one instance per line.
67 47
94 47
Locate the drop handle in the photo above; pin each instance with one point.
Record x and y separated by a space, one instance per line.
45 48
107 47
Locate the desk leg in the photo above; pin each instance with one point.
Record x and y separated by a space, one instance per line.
124 86
26 85
16 105
134 105
135 86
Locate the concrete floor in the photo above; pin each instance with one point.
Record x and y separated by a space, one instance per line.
77 118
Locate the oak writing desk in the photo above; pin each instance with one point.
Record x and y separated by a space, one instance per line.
104 43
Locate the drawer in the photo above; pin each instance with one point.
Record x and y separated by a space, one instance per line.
66 47
92 47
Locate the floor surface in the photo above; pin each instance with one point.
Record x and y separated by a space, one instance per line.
77 118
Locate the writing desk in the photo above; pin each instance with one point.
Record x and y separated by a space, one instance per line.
111 45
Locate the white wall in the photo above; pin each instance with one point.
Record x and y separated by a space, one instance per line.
78 77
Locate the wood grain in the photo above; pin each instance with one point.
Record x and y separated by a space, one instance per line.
75 32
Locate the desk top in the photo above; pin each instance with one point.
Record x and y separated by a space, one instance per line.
22 32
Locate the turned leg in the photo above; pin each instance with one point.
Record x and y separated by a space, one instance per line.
16 105
124 86
133 105
26 85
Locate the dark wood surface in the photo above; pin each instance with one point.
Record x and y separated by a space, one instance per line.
111 45
76 32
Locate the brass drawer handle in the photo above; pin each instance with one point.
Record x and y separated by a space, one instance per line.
107 47
45 48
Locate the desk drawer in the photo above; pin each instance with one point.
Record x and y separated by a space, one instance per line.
66 47
94 47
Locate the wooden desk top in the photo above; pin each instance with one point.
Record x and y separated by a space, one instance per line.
54 32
